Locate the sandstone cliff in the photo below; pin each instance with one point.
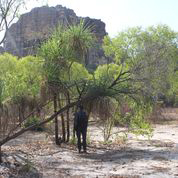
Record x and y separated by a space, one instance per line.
32 28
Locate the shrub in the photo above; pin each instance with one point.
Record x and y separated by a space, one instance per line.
73 141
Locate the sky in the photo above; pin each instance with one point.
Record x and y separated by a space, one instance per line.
118 15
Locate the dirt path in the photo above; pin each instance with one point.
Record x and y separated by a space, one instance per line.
138 157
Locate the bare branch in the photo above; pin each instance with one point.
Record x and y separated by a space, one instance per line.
8 138
8 12
118 78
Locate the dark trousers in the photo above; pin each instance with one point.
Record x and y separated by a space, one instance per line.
82 132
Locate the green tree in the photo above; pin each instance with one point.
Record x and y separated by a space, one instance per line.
148 54
20 81
65 46
8 65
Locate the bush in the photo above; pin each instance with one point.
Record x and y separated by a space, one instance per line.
73 141
34 121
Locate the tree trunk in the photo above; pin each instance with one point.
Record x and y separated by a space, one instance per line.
75 110
0 155
56 120
63 128
0 134
68 118
68 126
0 125
20 117
62 122
73 132
21 113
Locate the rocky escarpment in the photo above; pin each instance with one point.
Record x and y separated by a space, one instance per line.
32 28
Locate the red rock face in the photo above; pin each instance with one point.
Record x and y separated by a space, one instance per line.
34 27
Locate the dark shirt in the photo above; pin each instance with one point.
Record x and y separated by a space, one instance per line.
80 120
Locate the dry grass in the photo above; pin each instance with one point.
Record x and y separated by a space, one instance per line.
162 115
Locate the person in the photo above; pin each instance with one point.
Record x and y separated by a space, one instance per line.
80 126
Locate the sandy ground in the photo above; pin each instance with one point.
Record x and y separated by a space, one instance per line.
137 157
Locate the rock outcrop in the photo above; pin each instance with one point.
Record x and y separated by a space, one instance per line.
32 28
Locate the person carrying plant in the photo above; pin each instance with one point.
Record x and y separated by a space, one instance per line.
80 126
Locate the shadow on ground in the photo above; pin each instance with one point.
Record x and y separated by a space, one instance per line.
130 155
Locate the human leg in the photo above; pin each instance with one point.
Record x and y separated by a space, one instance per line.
84 135
79 140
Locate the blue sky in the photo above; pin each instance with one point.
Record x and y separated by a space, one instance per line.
121 14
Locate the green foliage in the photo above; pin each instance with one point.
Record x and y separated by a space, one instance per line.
51 49
171 96
34 121
140 126
30 77
73 141
8 64
149 54
107 73
78 72
79 40
106 142
134 117
138 121
19 77
1 90
66 45
176 100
